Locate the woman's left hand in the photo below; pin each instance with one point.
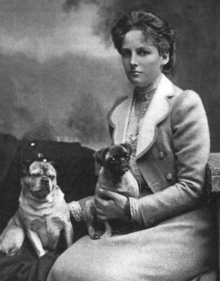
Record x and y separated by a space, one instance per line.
112 208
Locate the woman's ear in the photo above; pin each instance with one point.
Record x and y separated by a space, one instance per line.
165 57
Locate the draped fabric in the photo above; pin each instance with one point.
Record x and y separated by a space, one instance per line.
25 267
166 252
77 180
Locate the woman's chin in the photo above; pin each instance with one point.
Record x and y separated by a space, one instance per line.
135 82
138 83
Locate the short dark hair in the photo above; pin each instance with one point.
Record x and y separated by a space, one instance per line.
160 31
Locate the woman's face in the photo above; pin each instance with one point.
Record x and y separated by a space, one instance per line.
141 59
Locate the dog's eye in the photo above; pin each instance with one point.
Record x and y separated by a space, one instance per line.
51 177
113 159
35 175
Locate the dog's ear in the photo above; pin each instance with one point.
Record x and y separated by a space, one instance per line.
127 146
23 181
100 156
57 167
26 165
25 184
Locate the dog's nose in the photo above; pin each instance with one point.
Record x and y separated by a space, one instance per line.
44 180
122 160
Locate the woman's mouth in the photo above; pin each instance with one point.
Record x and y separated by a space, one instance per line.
134 72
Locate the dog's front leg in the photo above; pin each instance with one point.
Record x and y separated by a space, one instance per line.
89 217
108 230
11 240
68 232
36 242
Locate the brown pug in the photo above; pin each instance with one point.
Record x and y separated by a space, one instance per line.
42 213
115 175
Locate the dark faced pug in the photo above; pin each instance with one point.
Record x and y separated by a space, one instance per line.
115 175
42 213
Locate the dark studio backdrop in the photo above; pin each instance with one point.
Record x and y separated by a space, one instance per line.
59 73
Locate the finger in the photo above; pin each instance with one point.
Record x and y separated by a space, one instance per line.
103 218
99 202
110 194
99 212
102 203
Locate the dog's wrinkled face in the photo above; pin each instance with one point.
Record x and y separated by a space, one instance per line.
40 179
115 158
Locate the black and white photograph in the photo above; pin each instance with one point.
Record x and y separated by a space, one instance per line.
109 140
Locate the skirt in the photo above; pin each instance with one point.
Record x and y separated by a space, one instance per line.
177 249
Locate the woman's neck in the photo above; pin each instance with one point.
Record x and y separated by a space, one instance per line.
142 91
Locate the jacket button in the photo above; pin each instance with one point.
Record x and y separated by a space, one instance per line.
169 177
161 154
32 144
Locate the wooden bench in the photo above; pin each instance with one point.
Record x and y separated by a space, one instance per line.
213 183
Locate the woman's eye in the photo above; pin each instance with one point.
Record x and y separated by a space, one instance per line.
142 52
125 53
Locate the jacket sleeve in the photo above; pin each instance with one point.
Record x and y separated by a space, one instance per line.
191 144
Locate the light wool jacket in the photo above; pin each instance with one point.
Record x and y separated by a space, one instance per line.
172 150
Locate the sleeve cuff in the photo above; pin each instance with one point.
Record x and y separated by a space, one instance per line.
75 210
134 209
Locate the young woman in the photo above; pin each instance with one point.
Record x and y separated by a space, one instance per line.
169 133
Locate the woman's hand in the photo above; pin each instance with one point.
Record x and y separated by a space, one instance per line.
112 208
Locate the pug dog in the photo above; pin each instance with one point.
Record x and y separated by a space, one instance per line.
115 175
42 213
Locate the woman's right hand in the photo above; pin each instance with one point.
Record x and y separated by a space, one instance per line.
114 208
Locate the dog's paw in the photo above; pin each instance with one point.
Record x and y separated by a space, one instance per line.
10 249
106 235
12 252
41 253
95 236
92 233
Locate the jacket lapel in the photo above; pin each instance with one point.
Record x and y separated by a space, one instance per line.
157 111
118 118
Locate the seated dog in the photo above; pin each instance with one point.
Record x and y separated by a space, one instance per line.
42 213
115 175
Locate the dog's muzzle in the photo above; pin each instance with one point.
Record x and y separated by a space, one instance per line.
45 181
120 166
44 189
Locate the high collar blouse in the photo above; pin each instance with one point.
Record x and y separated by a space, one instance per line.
140 104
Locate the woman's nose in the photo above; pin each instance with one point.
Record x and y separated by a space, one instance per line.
133 60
